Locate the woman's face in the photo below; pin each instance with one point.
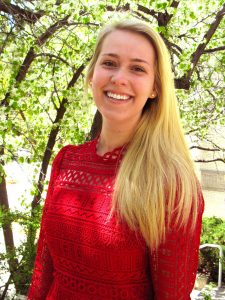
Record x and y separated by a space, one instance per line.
123 77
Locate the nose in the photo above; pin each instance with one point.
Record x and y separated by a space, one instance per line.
119 77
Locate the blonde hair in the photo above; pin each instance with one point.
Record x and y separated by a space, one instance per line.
156 183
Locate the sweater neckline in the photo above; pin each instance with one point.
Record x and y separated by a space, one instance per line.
114 155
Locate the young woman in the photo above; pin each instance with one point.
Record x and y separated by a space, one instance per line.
122 218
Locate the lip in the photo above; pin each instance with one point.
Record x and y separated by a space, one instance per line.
118 93
118 101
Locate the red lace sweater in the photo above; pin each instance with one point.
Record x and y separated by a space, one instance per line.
84 255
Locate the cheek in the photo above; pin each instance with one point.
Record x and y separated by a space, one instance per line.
99 77
148 88
142 89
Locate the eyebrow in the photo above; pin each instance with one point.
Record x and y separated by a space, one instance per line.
133 59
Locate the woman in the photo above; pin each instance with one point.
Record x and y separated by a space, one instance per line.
122 218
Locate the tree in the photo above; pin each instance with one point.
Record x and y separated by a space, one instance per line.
44 49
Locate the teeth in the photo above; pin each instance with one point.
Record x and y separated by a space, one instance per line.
116 96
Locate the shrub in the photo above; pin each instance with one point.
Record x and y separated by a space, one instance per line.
213 232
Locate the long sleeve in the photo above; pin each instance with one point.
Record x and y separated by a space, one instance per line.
174 264
43 267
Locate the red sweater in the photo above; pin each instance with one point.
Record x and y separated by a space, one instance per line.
84 255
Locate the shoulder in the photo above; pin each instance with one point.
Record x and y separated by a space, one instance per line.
70 152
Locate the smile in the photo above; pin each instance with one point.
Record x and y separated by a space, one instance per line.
117 96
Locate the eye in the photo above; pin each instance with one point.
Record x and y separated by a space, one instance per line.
109 63
138 69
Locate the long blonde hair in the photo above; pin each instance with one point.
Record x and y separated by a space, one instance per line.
156 183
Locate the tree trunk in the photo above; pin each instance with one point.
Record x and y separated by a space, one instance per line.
7 226
96 126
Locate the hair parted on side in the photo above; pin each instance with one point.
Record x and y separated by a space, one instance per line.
156 183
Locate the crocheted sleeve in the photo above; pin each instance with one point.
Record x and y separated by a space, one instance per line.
174 264
43 267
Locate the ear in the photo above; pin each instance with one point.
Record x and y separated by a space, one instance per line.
90 77
153 94
90 83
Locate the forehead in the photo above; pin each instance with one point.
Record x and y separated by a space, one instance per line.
128 43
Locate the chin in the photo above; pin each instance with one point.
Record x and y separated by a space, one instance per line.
116 121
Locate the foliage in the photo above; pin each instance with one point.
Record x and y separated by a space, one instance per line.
212 233
38 60
23 255
206 295
44 49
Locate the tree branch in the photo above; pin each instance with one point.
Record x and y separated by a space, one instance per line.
125 7
175 3
82 24
8 34
141 16
184 81
195 25
31 54
210 160
165 17
19 13
208 35
204 149
214 49
51 30
53 56
173 48
214 144
147 11
162 18
6 286
25 65
52 138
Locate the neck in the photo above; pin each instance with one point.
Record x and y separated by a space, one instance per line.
112 137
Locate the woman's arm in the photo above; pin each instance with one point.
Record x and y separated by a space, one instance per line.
174 264
42 277
43 268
